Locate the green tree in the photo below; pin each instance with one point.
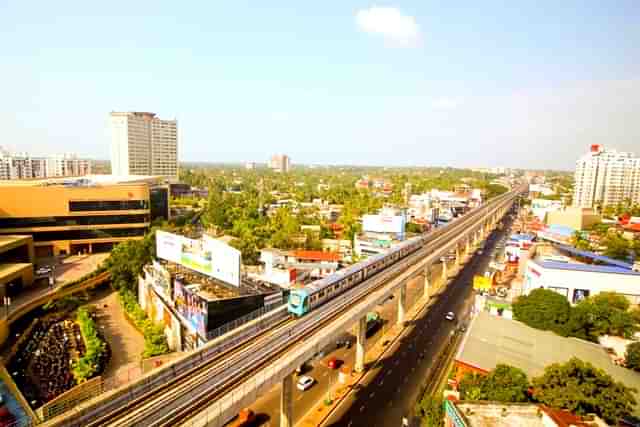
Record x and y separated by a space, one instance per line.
431 410
602 314
543 309
617 247
506 384
632 356
127 259
471 386
581 388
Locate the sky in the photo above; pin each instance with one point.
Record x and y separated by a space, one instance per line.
408 83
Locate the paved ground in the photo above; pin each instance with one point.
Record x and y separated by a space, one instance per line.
390 390
127 344
268 406
73 267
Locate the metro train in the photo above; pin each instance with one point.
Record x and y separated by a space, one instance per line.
305 299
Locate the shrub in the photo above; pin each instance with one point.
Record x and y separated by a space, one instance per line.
155 342
90 363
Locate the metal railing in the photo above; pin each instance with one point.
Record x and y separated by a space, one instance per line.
228 327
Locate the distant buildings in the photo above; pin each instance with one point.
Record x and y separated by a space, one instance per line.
143 144
23 166
280 163
606 177
250 166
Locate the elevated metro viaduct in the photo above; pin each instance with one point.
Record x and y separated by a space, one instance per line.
210 393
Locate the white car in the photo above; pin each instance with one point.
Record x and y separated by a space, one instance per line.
450 316
305 382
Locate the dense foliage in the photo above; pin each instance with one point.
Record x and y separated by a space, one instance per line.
632 356
155 342
543 309
431 410
503 384
127 259
581 388
603 314
90 363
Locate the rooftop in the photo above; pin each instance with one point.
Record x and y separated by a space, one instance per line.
86 181
594 257
8 242
588 268
315 255
491 340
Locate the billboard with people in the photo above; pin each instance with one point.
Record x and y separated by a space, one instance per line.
191 306
207 255
384 224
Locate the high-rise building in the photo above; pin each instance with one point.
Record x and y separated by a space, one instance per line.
143 144
22 166
606 177
280 163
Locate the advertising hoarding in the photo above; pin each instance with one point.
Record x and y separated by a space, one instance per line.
481 283
384 224
192 307
207 255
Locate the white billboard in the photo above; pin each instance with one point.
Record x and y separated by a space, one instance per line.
384 223
207 256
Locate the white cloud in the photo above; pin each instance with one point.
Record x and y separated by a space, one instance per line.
396 28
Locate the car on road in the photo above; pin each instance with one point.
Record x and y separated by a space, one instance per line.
43 270
334 363
479 252
450 316
305 382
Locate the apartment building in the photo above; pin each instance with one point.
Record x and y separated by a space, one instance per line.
15 166
606 177
280 163
143 144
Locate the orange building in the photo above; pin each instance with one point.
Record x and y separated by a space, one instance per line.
84 215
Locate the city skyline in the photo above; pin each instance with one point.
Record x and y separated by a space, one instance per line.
407 84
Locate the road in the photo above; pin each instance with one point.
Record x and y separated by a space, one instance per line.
404 368
389 392
268 406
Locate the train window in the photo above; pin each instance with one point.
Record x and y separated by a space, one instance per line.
336 287
321 294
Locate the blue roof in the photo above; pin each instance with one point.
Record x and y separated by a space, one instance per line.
590 268
527 237
595 257
561 229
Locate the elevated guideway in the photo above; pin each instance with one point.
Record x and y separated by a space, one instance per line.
211 393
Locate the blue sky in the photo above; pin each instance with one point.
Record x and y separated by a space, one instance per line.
496 83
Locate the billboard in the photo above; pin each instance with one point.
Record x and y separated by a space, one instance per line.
191 306
384 224
481 283
207 255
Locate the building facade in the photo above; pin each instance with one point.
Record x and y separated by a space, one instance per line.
606 177
280 163
79 217
15 166
143 144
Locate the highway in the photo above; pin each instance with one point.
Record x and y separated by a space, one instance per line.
390 390
184 395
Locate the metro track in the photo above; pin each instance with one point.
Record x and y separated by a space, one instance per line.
309 326
227 369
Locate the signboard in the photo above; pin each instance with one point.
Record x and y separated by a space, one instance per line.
384 224
453 416
161 279
191 306
481 283
207 255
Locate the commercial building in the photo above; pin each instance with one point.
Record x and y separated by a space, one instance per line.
280 163
496 414
24 166
492 340
575 218
577 280
606 177
82 215
16 264
143 144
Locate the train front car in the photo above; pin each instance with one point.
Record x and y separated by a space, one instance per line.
298 303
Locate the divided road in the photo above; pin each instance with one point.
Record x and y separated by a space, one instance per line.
389 391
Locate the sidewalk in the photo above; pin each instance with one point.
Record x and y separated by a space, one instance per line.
321 411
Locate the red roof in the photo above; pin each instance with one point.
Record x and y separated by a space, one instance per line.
632 227
316 255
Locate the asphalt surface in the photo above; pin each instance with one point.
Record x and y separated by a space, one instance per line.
390 390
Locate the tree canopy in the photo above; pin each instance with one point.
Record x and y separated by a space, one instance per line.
503 384
543 309
632 356
581 388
